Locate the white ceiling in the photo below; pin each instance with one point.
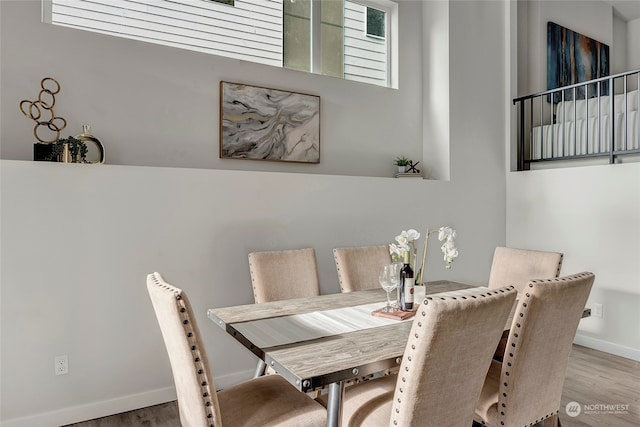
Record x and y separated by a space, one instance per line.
627 9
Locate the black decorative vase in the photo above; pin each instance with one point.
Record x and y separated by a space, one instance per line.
42 152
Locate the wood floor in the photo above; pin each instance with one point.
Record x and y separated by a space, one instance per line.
602 384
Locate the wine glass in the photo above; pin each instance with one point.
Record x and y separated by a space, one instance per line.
389 279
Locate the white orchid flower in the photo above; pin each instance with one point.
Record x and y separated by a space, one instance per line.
403 241
406 242
395 249
446 233
412 235
449 248
450 252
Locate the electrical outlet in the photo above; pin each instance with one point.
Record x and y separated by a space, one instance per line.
597 310
61 364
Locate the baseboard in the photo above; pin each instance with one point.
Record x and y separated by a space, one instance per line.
90 411
608 347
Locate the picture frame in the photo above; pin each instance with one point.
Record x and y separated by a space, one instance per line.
259 123
575 58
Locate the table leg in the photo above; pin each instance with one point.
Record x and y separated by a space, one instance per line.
260 369
334 404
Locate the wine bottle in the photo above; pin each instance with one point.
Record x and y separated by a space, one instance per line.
407 283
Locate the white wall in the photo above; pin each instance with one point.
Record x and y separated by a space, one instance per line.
435 89
633 52
618 50
590 213
594 19
78 289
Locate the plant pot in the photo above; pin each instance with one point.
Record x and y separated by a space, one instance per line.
42 151
402 169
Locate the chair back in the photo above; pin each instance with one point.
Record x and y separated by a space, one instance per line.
537 354
281 275
517 267
447 357
197 398
358 267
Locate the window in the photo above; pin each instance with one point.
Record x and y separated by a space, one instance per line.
376 20
313 38
366 59
349 39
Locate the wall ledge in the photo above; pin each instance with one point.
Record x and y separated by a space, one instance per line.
71 166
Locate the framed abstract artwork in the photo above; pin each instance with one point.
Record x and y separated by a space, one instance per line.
268 124
574 58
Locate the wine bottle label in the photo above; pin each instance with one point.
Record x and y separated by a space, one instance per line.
409 283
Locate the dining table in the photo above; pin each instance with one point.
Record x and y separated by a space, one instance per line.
327 341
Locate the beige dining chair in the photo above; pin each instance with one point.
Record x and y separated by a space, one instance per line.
358 267
526 387
513 266
281 275
434 388
264 401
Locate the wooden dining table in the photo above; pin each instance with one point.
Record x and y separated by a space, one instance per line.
313 353
317 361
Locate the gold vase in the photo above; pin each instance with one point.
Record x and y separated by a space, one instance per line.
86 137
66 156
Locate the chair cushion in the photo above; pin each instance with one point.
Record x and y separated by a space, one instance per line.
269 401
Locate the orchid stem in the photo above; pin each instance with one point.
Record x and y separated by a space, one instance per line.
424 257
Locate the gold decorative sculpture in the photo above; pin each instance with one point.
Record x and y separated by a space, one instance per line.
41 111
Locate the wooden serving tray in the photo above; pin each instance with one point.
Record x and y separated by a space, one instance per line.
397 315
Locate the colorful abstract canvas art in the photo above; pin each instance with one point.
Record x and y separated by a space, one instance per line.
268 124
574 58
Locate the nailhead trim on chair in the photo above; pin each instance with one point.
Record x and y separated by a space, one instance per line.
253 283
423 313
335 257
515 335
197 356
197 359
559 265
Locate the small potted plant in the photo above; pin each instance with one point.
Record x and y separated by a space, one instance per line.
68 150
402 163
